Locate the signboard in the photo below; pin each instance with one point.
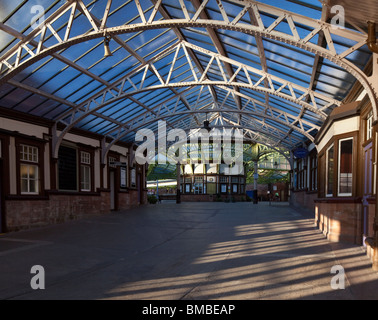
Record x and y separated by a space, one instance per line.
118 163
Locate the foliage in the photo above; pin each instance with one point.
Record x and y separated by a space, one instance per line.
174 187
151 199
161 171
272 176
256 153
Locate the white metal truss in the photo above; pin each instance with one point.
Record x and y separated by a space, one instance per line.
234 75
125 87
32 48
147 119
26 50
251 107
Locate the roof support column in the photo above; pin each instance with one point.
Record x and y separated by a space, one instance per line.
178 191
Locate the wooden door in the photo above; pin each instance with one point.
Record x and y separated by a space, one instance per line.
2 204
368 189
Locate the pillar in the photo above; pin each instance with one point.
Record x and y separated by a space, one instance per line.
178 192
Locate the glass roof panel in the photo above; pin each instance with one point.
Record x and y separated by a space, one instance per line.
80 71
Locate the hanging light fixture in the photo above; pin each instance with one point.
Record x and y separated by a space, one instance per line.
107 52
206 124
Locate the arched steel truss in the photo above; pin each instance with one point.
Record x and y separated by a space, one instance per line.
33 47
249 136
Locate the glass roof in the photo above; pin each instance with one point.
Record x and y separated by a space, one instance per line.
265 66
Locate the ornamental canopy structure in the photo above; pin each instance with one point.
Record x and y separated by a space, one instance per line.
274 69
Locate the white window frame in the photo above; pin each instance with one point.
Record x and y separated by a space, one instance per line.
85 178
344 194
85 171
369 126
28 153
29 158
28 179
112 159
85 157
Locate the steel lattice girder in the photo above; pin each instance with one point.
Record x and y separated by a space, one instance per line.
151 118
36 50
31 48
125 87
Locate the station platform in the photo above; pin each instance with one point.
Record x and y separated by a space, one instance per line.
207 251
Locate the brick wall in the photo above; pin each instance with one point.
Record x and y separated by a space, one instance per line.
263 194
59 208
339 221
128 200
208 197
303 199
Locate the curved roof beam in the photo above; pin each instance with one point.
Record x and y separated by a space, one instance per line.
256 127
125 87
139 123
249 135
162 111
250 108
24 53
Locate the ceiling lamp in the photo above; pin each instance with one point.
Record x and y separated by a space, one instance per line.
206 124
107 52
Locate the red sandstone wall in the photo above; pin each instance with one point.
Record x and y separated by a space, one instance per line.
24 214
59 208
339 221
128 200
303 199
209 197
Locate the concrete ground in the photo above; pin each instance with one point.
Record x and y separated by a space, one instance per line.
185 251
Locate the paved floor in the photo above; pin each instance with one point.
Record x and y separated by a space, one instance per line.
186 251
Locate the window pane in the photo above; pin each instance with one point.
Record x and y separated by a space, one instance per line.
29 178
24 171
67 168
345 170
24 185
85 157
85 178
330 170
33 184
369 128
32 172
28 153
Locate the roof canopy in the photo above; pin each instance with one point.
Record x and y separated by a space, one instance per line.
275 69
